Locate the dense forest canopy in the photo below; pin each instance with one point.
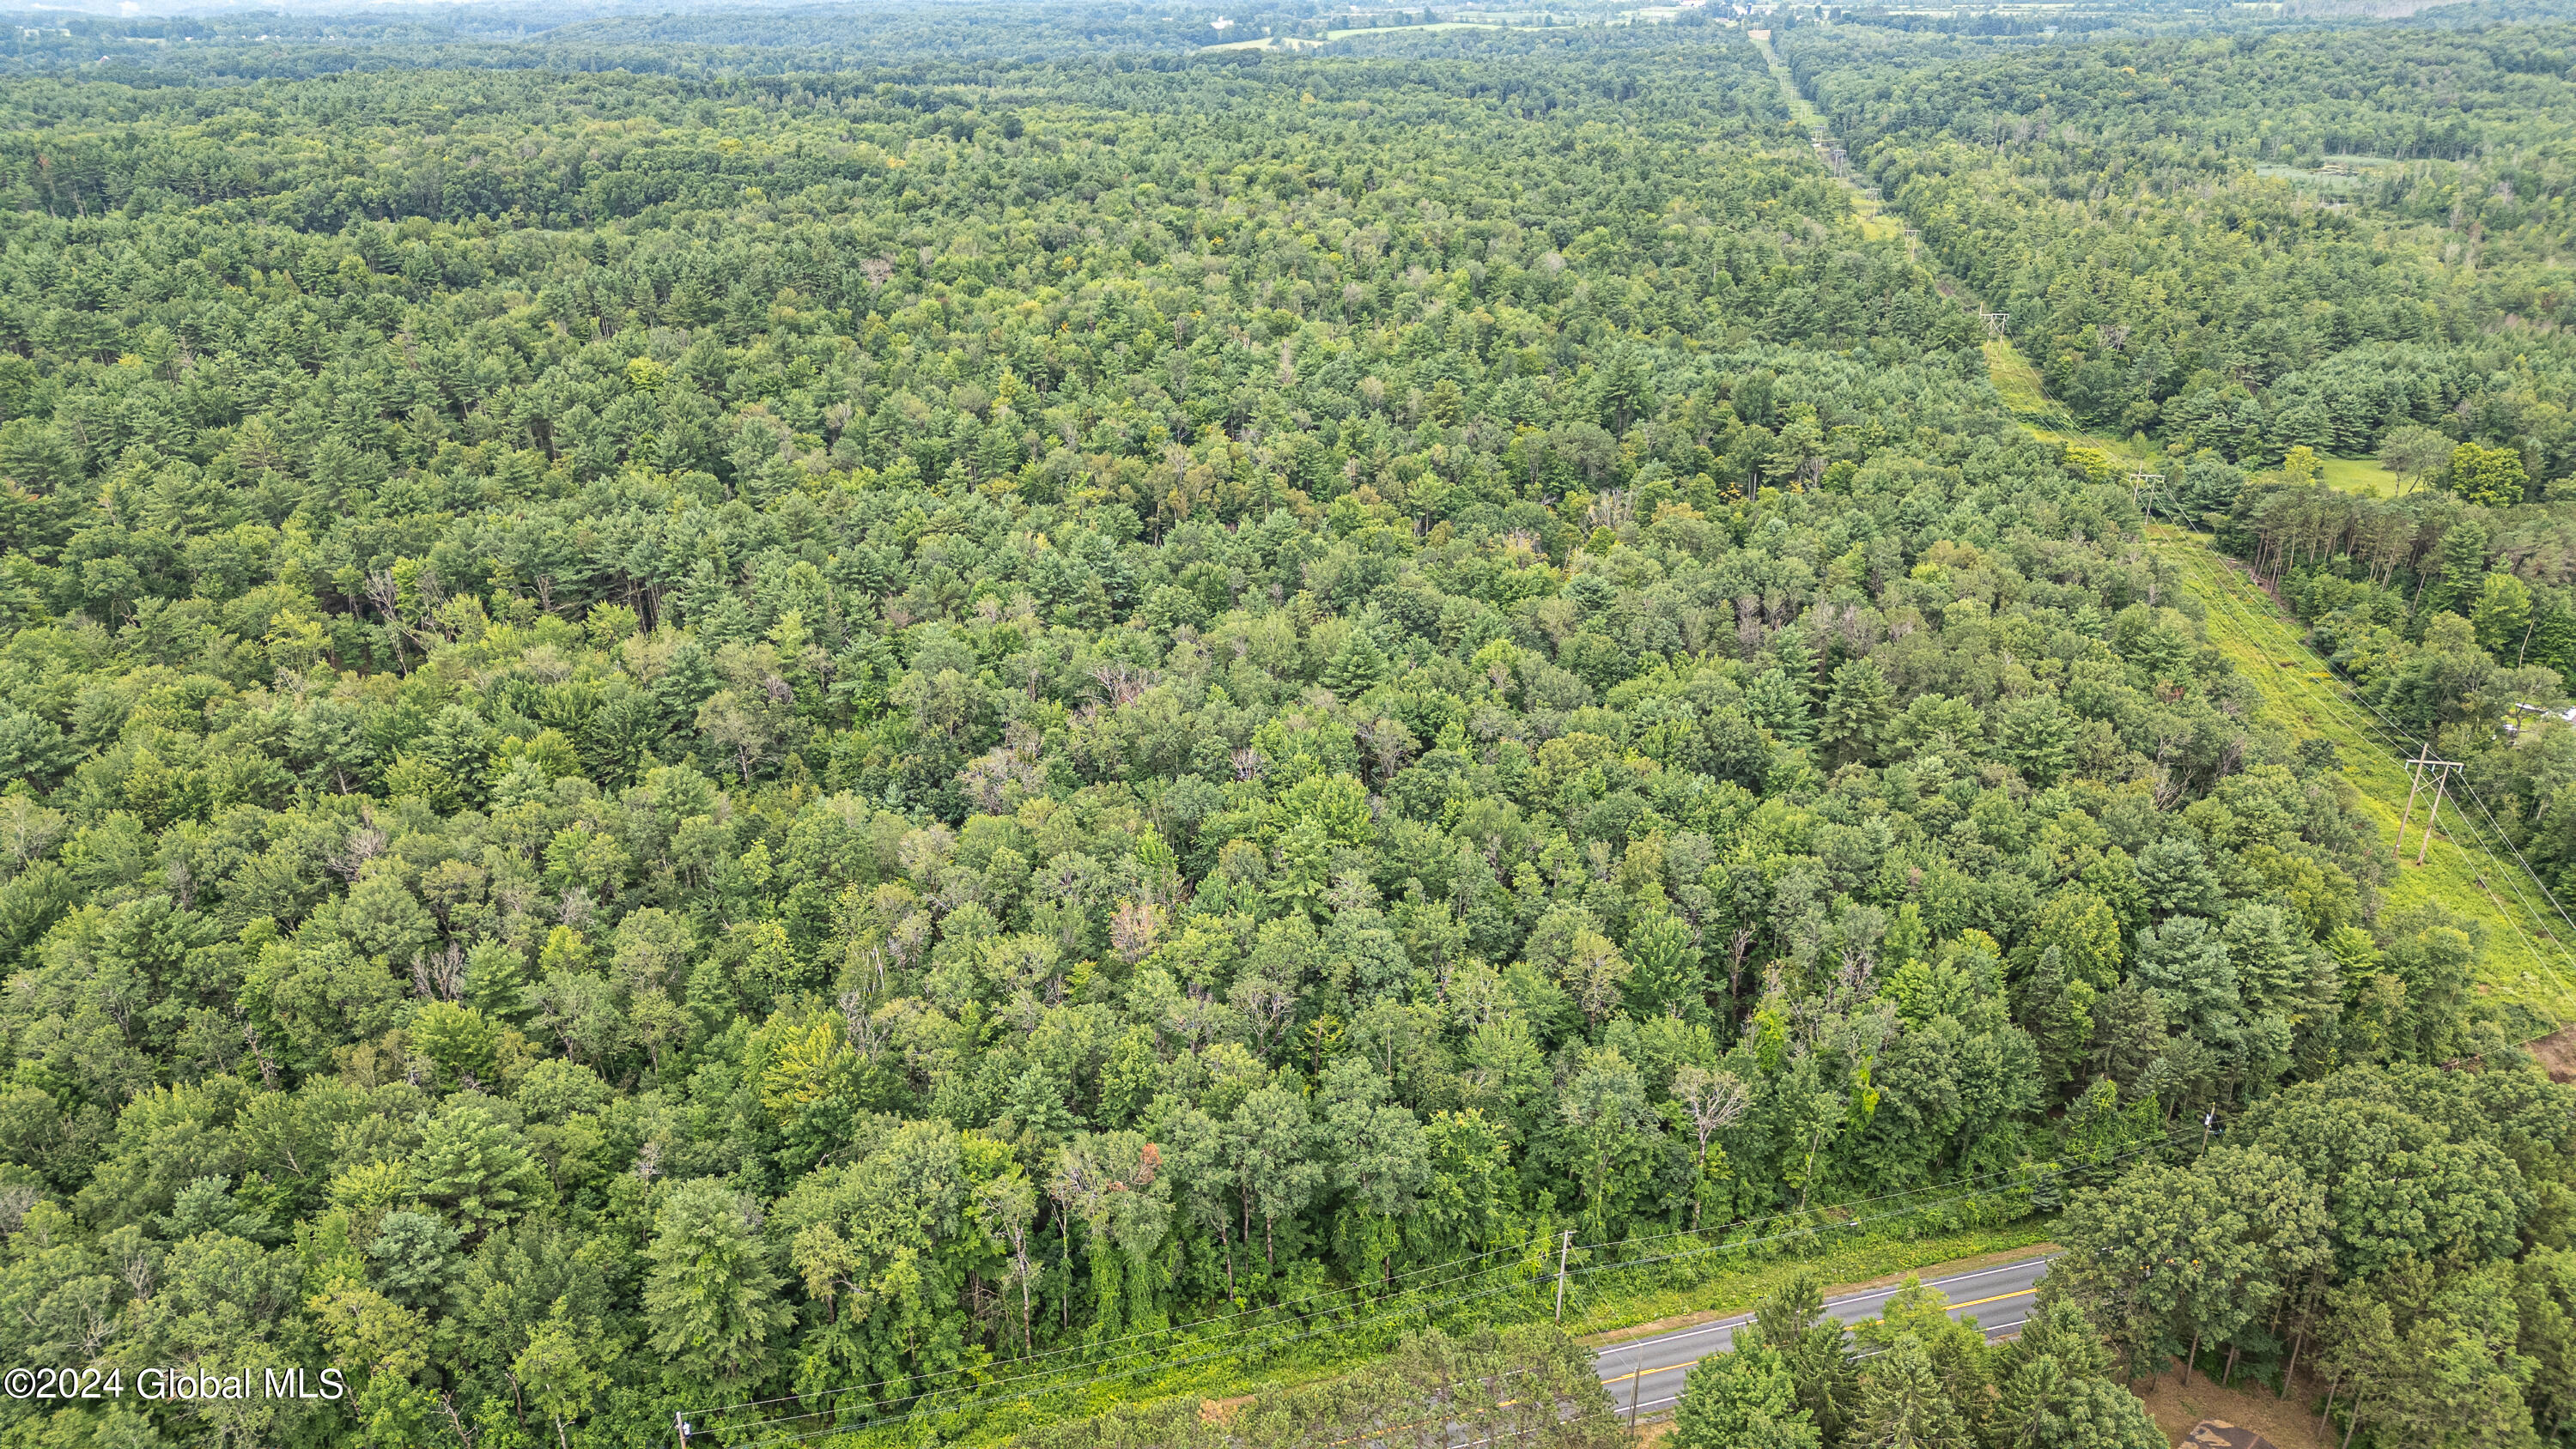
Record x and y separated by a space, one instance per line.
972 40
2139 210
952 40
690 734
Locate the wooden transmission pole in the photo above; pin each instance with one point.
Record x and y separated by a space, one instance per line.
2153 483
2441 772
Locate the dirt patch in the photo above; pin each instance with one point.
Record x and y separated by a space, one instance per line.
2286 1422
2557 1053
1609 1336
1218 1411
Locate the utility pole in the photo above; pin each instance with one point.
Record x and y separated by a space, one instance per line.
2441 787
2154 483
1636 1386
1562 1248
2442 772
2415 776
2208 1119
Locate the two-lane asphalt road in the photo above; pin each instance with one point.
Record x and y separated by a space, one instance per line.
1650 1370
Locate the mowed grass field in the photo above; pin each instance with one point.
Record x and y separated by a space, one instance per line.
2359 475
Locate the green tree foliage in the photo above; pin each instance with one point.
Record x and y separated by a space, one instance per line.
1914 1376
676 734
1743 1397
2491 476
1532 1386
2053 1388
712 1292
2371 1221
1902 1406
2246 244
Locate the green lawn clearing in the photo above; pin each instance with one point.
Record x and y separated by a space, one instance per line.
2359 475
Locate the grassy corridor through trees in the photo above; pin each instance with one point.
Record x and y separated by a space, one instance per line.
2527 970
2529 964
2360 390
1874 223
2470 870
891 730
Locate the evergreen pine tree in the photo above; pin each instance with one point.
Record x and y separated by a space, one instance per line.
2553 634
1666 978
1902 1406
1797 662
1780 705
1814 1347
1357 669
1857 712
1743 1399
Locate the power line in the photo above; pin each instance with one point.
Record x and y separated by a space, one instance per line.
2395 736
2471 790
2546 893
2390 734
1240 1329
1843 1206
2168 1140
2459 774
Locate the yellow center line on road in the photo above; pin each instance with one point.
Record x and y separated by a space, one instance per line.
1998 1298
1667 1368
